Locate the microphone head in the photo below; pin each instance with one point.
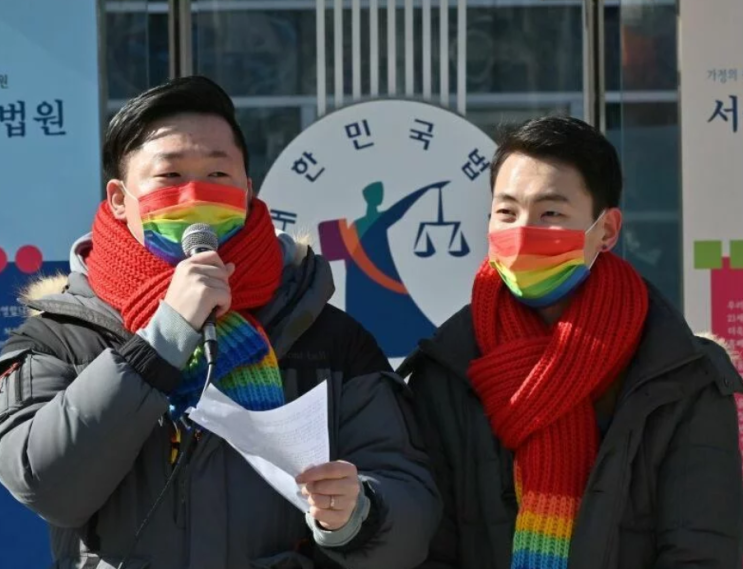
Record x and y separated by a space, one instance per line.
198 238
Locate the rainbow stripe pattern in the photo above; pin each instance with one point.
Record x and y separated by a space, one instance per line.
539 265
544 527
247 370
167 213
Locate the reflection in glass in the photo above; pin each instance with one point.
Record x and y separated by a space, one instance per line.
136 48
643 124
265 59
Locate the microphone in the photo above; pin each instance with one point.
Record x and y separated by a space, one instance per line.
200 238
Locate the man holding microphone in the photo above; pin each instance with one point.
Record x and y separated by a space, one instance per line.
96 386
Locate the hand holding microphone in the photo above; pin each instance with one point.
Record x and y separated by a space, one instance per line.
200 287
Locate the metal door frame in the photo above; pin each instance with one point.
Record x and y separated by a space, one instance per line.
180 30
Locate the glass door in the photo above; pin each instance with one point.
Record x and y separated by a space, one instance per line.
136 48
642 111
264 54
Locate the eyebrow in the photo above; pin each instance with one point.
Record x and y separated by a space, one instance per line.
180 155
541 198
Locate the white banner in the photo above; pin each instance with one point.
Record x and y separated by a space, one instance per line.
711 64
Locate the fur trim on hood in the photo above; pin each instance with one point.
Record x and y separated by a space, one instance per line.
43 286
302 238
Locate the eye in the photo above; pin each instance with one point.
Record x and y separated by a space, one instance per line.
505 211
167 175
552 214
218 175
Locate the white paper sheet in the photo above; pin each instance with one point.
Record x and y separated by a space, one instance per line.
281 443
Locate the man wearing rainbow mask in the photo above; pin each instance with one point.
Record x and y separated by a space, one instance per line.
97 384
572 418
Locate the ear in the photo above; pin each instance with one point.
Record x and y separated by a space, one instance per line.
116 199
611 225
251 194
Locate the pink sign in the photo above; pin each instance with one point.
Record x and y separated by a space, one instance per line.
727 320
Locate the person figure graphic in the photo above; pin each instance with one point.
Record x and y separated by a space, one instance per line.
375 293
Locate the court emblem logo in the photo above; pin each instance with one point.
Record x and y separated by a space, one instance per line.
395 194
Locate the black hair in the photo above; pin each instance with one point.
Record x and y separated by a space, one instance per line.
128 129
571 142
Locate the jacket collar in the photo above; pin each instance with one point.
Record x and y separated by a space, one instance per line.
452 347
305 289
667 343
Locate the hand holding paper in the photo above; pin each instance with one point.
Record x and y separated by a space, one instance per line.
332 490
280 444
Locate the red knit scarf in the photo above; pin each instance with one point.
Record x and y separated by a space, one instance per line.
132 280
538 384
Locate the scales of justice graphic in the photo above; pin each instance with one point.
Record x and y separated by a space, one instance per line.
395 194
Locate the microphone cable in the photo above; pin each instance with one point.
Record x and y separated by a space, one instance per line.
183 458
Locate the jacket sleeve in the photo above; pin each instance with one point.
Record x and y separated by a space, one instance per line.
378 434
68 440
700 499
429 410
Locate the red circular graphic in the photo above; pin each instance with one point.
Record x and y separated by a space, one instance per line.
3 260
28 259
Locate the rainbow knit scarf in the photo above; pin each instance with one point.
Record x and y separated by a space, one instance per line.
544 527
247 370
134 281
537 384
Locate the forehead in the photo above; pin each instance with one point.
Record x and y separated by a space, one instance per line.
523 177
199 131
187 136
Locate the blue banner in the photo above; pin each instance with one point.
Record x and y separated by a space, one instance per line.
50 128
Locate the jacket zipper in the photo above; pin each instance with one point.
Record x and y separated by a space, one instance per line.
19 385
181 484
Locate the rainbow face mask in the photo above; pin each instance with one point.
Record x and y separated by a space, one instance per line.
540 266
167 213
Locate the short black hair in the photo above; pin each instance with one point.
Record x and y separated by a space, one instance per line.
572 142
129 127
